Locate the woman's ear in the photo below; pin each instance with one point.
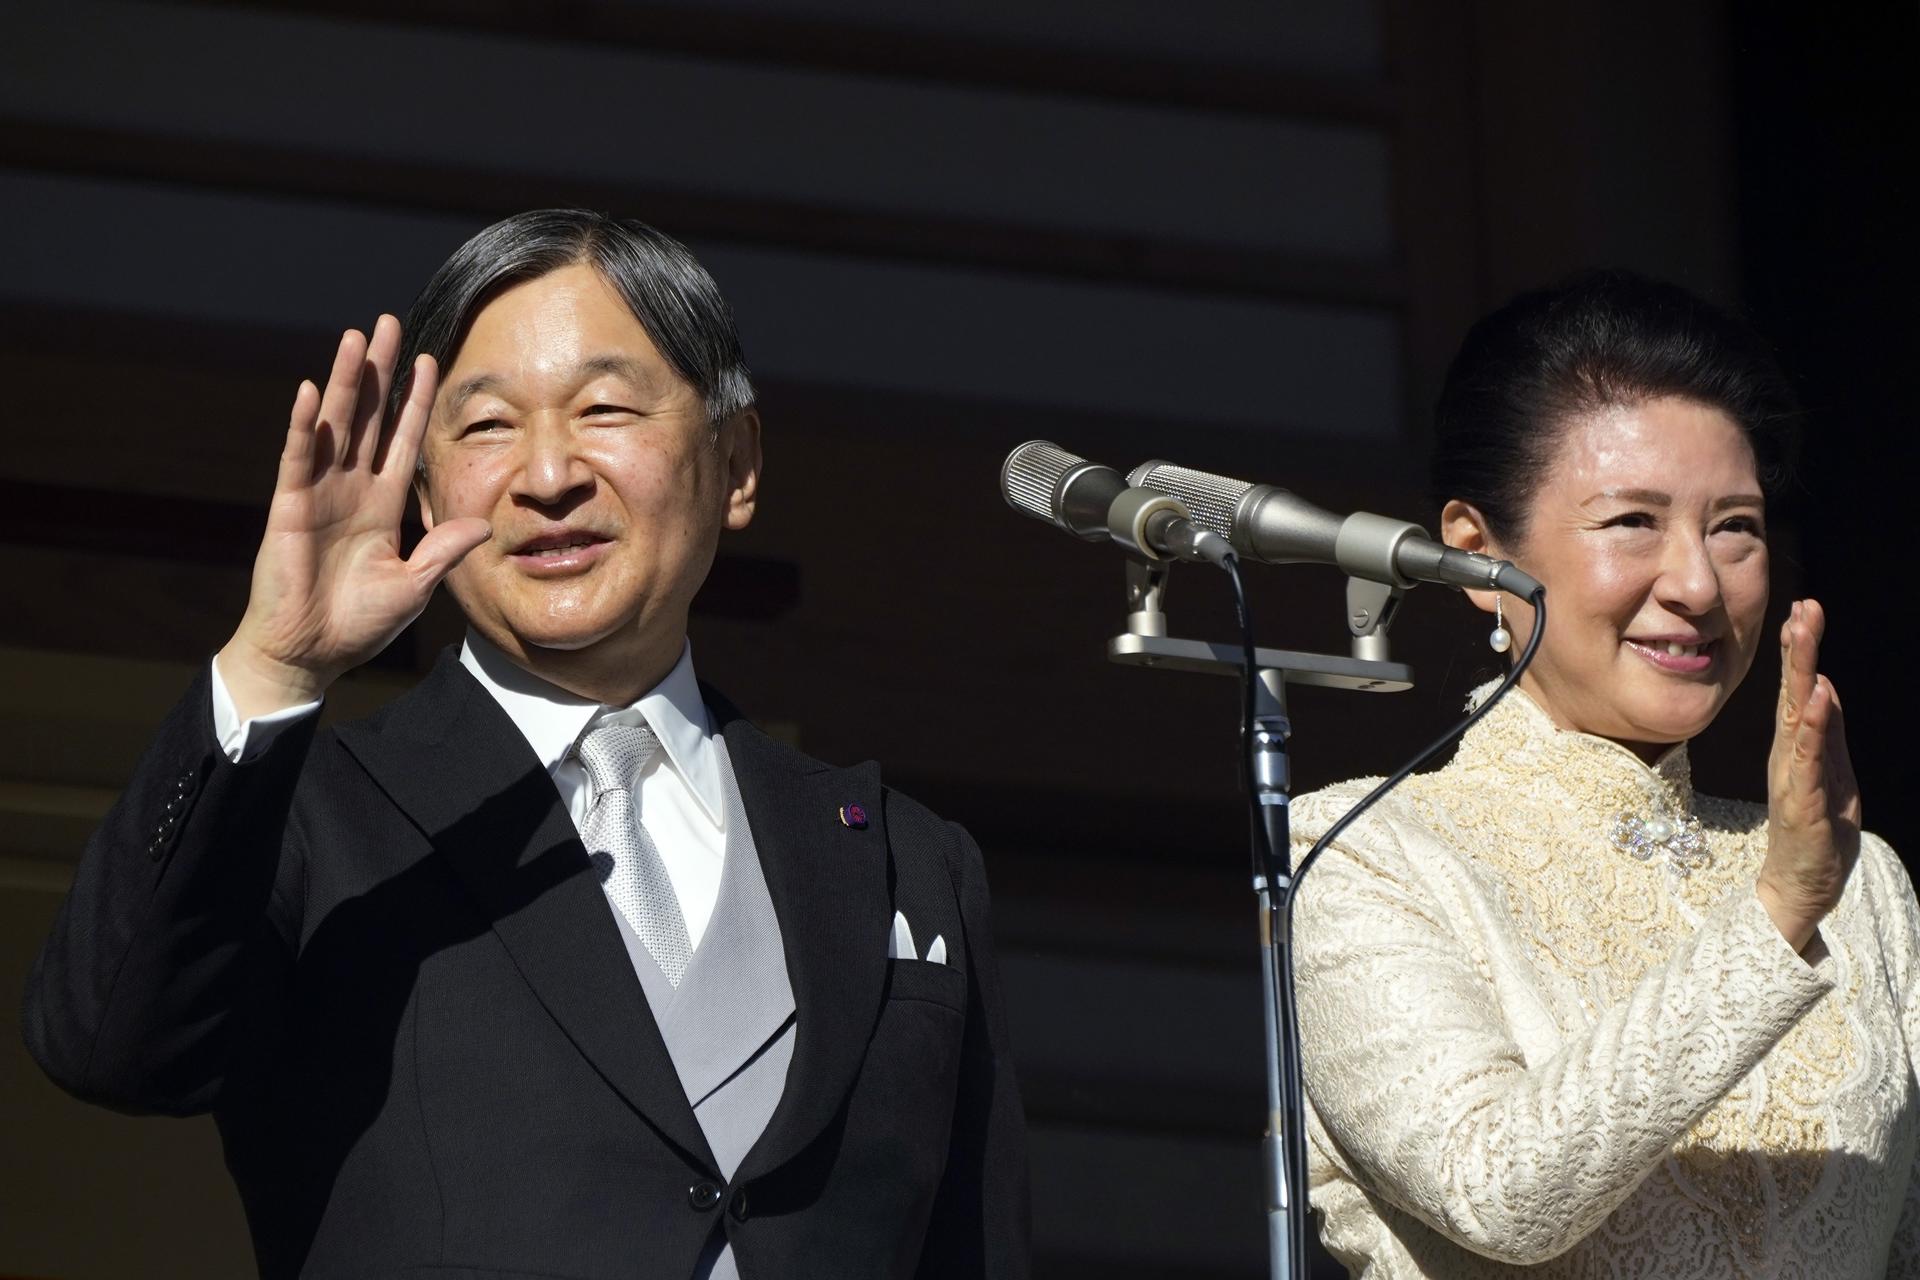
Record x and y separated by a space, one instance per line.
1462 526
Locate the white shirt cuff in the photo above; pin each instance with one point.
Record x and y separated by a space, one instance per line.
245 740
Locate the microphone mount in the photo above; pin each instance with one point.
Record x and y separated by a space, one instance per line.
1370 610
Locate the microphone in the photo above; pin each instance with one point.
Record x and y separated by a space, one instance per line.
1266 523
1093 502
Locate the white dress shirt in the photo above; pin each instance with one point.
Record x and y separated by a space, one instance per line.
679 796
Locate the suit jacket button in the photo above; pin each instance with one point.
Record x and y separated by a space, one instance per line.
737 1206
703 1196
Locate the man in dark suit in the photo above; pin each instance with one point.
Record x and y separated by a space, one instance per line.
556 966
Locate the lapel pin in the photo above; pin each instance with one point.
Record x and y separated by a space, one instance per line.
852 815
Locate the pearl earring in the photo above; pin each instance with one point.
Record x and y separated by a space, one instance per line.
1500 640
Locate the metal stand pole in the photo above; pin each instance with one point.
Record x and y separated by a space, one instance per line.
1145 643
1272 869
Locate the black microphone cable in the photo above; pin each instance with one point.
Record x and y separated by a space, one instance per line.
1539 602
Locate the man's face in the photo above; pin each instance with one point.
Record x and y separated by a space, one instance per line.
559 423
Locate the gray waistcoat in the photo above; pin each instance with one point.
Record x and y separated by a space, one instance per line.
729 1026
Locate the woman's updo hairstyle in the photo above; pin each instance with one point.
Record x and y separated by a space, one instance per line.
1602 340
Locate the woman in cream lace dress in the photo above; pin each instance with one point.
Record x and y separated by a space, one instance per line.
1562 1015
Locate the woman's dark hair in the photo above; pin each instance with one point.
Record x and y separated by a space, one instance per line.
1604 339
667 289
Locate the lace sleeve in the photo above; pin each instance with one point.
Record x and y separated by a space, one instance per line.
1900 935
1413 1073
1904 1256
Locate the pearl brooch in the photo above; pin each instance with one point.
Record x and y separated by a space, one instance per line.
1681 841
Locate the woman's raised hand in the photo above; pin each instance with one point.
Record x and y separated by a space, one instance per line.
1813 802
330 588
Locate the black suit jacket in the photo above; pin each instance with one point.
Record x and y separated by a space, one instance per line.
380 956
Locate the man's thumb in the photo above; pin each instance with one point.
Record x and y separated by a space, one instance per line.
446 546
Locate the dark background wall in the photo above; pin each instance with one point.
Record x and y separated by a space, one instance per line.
1243 234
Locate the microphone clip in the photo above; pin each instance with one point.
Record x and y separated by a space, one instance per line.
1371 609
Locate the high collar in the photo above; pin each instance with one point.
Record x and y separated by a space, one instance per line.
1519 737
552 720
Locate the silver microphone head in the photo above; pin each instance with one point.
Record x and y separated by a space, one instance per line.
1030 477
1048 483
1262 522
1211 500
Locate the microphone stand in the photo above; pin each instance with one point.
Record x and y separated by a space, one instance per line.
1370 609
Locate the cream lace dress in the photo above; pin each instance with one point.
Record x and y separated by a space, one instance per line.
1550 1031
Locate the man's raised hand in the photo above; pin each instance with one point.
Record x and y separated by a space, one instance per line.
330 589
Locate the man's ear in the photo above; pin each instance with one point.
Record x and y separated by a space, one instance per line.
1462 526
739 446
422 496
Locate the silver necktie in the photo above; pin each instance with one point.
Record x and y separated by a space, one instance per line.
631 872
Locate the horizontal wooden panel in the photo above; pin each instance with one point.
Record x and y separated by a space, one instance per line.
198 409
1160 1205
1140 1020
73 723
272 168
1325 35
1256 55
569 111
170 253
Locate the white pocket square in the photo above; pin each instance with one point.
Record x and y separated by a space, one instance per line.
900 943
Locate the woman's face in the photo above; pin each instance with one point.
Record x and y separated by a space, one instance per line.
1649 532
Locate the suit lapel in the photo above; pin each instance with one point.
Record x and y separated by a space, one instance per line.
828 883
454 763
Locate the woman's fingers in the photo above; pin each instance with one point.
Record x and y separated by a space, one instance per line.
1819 786
1795 688
1839 757
1803 655
1842 788
1810 735
1802 795
1798 764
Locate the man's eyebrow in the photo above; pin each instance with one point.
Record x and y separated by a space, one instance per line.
469 388
620 366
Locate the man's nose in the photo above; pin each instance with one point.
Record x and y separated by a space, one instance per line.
551 467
